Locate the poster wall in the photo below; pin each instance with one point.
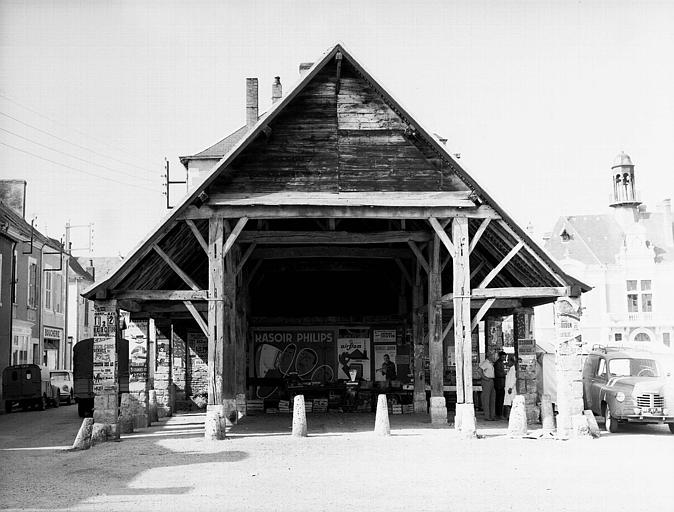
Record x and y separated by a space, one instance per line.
353 353
136 333
105 361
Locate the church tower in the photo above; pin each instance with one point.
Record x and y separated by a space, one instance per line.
622 174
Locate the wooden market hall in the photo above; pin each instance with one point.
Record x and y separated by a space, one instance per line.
329 235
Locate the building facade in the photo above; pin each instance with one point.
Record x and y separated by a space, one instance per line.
627 255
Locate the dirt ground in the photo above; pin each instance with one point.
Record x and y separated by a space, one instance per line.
340 466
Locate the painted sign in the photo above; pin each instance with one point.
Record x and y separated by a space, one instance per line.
353 352
198 349
50 332
384 336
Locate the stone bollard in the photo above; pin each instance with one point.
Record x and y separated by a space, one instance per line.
125 415
438 410
580 428
299 417
467 415
100 433
592 423
517 425
214 427
154 413
83 439
547 415
382 427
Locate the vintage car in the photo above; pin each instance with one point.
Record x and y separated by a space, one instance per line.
628 386
28 385
63 379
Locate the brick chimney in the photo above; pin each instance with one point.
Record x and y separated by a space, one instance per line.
304 68
13 194
276 90
251 102
91 269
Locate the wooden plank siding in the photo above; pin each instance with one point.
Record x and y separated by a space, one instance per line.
347 141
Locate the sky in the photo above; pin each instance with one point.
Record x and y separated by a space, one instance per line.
537 97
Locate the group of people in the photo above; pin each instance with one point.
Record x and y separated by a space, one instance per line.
499 385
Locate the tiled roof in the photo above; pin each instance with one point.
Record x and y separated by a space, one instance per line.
599 238
219 149
19 224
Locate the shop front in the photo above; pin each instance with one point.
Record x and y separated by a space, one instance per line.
52 346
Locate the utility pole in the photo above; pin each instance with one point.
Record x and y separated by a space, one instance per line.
169 183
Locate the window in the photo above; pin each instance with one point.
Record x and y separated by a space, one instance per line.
618 336
601 370
57 293
20 349
639 296
633 368
666 341
47 290
643 337
32 284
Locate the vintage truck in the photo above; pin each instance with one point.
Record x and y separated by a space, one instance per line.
628 386
29 385
83 372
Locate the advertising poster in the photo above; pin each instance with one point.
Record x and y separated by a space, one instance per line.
136 333
384 336
303 354
105 327
385 368
353 353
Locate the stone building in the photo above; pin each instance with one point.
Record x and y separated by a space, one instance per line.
627 255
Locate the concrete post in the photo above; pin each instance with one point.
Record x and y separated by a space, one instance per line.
125 415
299 417
152 406
382 427
523 326
517 424
547 415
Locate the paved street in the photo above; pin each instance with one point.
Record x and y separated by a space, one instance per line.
341 466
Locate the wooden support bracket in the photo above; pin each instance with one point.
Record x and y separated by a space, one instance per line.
197 316
404 271
419 255
478 234
442 234
188 280
245 257
500 266
233 235
197 235
480 313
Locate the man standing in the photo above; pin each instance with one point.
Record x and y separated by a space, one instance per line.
388 368
488 396
499 382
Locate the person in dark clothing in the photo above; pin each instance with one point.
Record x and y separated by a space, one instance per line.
499 382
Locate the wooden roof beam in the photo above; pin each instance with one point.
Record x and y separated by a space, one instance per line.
203 325
478 234
313 251
501 265
332 237
143 295
514 293
183 275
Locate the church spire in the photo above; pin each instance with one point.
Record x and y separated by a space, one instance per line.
622 174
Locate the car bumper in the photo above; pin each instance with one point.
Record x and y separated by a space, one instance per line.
648 418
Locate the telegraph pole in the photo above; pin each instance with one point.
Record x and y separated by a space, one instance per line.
169 183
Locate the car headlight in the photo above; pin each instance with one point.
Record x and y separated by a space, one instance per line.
620 396
665 412
637 410
65 387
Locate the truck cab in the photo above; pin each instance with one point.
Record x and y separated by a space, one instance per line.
29 385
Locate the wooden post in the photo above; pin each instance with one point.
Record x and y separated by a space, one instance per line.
420 404
465 411
438 404
215 414
231 350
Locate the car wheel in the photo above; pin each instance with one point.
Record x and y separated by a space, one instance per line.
57 400
610 422
8 406
69 400
671 427
42 403
81 410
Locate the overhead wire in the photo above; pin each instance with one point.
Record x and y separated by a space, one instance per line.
100 141
74 143
74 156
133 185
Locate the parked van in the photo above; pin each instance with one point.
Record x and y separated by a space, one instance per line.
83 372
29 385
